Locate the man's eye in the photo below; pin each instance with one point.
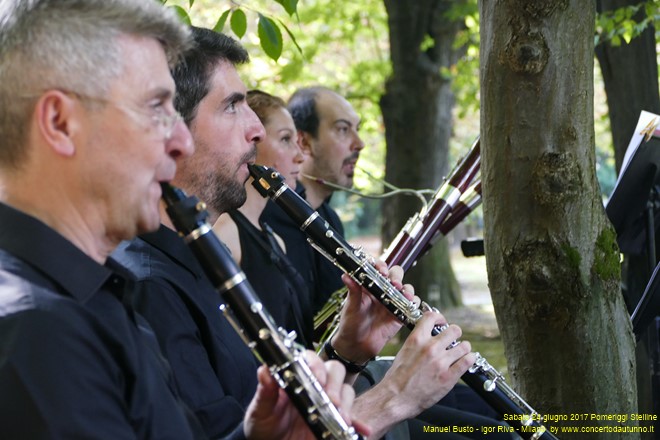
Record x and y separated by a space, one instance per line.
231 108
158 107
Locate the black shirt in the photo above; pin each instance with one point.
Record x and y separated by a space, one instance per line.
75 361
280 287
214 371
318 272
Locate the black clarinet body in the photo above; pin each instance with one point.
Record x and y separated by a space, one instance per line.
481 376
272 345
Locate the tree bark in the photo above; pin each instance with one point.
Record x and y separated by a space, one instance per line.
553 262
417 112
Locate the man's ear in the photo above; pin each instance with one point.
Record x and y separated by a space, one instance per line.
305 142
57 116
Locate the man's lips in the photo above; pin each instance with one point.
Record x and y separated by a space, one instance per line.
349 166
167 175
351 161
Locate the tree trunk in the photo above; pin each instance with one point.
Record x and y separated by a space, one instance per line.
630 75
553 262
417 112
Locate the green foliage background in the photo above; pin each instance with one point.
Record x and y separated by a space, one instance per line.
344 45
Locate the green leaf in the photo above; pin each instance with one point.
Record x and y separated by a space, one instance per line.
191 3
620 14
270 37
427 43
221 21
238 23
183 15
289 5
650 9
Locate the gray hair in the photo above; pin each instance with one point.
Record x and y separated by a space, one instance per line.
71 45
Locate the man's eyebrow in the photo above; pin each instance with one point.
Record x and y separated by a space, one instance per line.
163 93
234 97
349 123
344 121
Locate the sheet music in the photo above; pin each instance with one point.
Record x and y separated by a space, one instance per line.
646 127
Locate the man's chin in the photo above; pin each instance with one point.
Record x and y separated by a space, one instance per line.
238 200
150 224
230 200
347 182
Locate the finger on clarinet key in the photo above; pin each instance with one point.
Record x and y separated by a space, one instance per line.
317 366
408 291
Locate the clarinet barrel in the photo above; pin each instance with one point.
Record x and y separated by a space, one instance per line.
272 345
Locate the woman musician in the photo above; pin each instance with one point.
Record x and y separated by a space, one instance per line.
337 146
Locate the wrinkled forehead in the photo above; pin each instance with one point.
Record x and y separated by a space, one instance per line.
332 108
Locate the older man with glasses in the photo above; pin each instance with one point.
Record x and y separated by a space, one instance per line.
89 133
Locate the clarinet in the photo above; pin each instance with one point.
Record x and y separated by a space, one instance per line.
326 320
481 376
450 204
272 345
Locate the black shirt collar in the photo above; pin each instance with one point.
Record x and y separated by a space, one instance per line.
51 254
170 243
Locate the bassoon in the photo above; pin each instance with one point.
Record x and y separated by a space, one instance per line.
456 197
418 233
272 345
481 376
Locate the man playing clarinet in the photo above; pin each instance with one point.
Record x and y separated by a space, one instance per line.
176 299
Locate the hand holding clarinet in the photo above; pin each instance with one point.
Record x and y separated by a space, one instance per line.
458 195
296 391
480 376
271 415
423 370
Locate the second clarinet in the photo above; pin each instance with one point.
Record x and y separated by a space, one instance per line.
481 376
272 345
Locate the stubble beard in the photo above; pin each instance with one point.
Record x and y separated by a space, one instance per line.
225 194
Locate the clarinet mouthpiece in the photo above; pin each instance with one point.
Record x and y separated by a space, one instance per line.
266 180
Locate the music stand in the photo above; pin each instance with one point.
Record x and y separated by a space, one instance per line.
633 210
634 193
648 305
631 207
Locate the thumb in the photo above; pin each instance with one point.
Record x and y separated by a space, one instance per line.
266 396
354 297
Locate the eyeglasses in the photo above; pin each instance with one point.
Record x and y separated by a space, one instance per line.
161 120
166 122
